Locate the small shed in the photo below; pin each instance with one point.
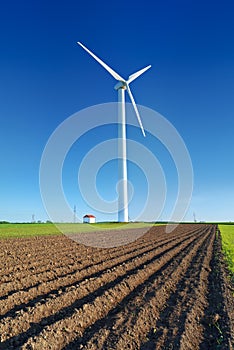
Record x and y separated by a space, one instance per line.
89 219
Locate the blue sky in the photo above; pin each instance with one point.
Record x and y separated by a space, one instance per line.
46 77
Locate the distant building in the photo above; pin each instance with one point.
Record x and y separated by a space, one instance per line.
89 219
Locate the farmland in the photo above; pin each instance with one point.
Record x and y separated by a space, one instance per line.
162 291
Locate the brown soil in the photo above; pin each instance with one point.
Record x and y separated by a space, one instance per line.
163 291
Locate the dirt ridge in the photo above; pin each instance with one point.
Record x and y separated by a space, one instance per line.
159 292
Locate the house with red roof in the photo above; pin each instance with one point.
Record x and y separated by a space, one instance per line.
89 219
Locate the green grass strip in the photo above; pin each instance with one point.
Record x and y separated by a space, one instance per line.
27 230
227 234
44 229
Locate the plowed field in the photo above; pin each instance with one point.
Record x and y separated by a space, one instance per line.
163 291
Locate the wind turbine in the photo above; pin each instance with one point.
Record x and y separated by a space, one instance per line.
121 87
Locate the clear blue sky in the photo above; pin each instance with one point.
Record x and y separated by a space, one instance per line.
46 77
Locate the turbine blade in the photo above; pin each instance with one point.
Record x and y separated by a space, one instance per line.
137 74
110 70
136 110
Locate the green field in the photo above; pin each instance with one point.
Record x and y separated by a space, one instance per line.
45 229
27 230
227 233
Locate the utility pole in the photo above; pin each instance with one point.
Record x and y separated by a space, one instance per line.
194 217
74 214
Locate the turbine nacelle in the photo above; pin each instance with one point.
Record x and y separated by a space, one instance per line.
121 85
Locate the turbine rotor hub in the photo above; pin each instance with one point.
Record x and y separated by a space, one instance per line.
121 85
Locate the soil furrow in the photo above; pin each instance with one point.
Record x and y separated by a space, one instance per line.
158 292
124 285
154 295
19 296
41 257
196 301
71 295
55 263
171 322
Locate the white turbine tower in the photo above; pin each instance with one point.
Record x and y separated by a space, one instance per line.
121 86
